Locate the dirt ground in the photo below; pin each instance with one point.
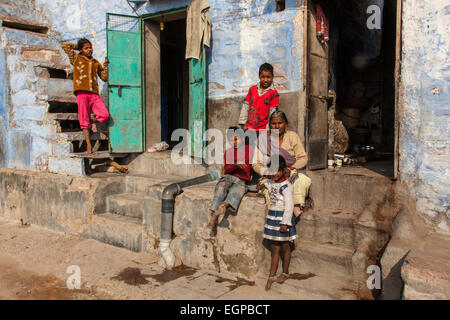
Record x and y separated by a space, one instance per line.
34 264
20 284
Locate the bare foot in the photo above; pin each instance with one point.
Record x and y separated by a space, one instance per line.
282 277
270 280
88 150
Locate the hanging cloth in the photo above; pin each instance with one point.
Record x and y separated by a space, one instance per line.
198 28
321 25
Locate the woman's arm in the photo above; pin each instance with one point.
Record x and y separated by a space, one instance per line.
258 164
301 159
69 49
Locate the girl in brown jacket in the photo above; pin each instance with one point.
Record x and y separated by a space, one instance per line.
85 87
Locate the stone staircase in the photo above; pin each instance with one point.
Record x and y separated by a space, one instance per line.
338 239
62 113
125 210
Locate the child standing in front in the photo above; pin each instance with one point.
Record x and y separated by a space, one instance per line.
85 86
232 186
280 222
261 101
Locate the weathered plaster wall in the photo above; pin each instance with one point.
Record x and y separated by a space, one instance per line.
28 136
245 33
424 107
3 110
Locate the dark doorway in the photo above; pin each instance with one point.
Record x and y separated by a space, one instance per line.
361 69
174 78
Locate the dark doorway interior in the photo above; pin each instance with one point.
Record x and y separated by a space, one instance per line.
361 66
174 78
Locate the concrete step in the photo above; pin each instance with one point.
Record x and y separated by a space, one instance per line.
336 226
79 136
141 183
68 98
348 189
328 226
126 204
65 116
298 287
322 259
98 155
425 272
116 230
161 164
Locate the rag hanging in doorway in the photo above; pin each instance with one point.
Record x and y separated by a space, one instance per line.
321 25
198 28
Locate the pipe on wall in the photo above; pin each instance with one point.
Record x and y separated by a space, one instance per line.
167 211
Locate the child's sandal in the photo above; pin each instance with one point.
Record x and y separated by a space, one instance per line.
270 280
282 280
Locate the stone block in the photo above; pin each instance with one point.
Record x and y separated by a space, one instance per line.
116 230
60 87
425 271
62 149
23 97
35 112
43 56
52 200
18 81
322 259
20 148
126 204
195 252
70 166
161 163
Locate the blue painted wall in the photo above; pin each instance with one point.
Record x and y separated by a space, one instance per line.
3 111
245 33
425 107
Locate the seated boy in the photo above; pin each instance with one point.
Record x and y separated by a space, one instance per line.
232 186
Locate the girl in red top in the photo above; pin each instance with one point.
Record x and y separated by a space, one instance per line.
261 101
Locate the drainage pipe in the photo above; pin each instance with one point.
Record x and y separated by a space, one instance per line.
167 209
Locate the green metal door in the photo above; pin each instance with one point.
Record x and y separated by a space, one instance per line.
197 104
125 94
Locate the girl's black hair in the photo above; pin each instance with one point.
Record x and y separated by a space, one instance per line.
81 43
281 162
278 113
234 131
266 67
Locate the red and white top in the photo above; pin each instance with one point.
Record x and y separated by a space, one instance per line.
260 105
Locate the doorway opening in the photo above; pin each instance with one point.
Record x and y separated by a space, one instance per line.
167 76
361 65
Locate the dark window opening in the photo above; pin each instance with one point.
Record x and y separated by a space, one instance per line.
80 146
69 126
57 73
25 27
281 5
62 107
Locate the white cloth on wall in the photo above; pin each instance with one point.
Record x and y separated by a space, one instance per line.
198 28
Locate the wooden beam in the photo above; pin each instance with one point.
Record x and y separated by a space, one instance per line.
397 79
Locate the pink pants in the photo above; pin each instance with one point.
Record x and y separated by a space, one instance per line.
87 101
